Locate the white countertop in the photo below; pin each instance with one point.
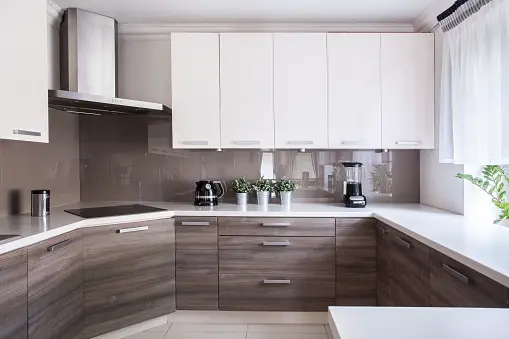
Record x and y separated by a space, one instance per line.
483 247
418 323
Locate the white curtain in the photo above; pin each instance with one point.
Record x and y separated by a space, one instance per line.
474 107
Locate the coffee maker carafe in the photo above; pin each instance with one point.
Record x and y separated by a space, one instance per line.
352 186
208 193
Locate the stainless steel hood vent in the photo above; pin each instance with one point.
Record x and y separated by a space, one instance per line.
88 69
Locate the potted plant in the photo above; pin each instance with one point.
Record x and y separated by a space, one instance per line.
241 187
285 189
263 188
493 182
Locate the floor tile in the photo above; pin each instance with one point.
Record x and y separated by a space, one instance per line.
252 335
147 335
286 328
183 335
208 328
161 328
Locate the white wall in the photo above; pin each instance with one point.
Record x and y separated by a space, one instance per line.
439 187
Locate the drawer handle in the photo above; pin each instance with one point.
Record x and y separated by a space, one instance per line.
403 242
52 248
195 223
276 224
246 142
360 142
195 142
25 132
455 274
132 229
276 243
409 142
382 229
302 142
277 281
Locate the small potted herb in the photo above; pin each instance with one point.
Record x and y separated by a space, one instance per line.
263 188
242 187
285 189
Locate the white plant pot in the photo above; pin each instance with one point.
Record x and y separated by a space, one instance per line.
263 198
241 199
286 198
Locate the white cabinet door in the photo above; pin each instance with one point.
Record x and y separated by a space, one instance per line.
195 90
247 105
23 70
408 91
355 112
300 90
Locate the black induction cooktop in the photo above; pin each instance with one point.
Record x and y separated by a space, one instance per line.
113 211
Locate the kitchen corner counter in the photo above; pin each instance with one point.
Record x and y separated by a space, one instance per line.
482 247
418 323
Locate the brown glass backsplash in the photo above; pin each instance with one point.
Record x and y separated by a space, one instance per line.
130 158
29 165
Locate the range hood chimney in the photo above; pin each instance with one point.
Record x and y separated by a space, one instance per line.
88 69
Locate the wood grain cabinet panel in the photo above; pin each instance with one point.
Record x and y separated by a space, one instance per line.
55 287
196 263
410 271
383 265
303 227
356 262
129 274
13 295
455 285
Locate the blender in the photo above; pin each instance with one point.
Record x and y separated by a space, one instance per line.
352 186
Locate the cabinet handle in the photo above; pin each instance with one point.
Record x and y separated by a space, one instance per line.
455 274
409 142
52 248
195 223
403 242
276 224
195 142
303 142
276 243
25 132
352 143
382 229
132 229
277 281
246 142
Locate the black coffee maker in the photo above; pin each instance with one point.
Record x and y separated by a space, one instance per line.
352 186
208 193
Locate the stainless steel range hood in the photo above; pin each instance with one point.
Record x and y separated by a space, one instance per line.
88 69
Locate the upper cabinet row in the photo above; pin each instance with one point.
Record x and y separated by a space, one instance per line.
303 90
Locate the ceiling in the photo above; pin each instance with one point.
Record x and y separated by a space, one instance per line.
255 11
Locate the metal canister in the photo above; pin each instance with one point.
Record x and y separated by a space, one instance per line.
40 203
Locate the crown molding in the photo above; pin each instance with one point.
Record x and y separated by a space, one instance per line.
427 21
158 30
54 13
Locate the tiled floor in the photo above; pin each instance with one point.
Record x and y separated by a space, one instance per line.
234 331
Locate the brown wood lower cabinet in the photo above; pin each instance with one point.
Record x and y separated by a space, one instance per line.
196 263
455 285
55 288
383 265
13 295
129 274
356 264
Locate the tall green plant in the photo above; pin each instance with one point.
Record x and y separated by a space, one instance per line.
493 182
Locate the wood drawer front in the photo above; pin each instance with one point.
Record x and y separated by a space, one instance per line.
196 263
409 271
456 285
55 287
299 227
276 255
129 274
13 295
356 262
383 262
304 292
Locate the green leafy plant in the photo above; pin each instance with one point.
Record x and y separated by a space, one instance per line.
284 185
264 185
492 182
241 185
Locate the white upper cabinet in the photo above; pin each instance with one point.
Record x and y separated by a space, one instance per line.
407 91
300 90
195 90
247 104
355 112
24 70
